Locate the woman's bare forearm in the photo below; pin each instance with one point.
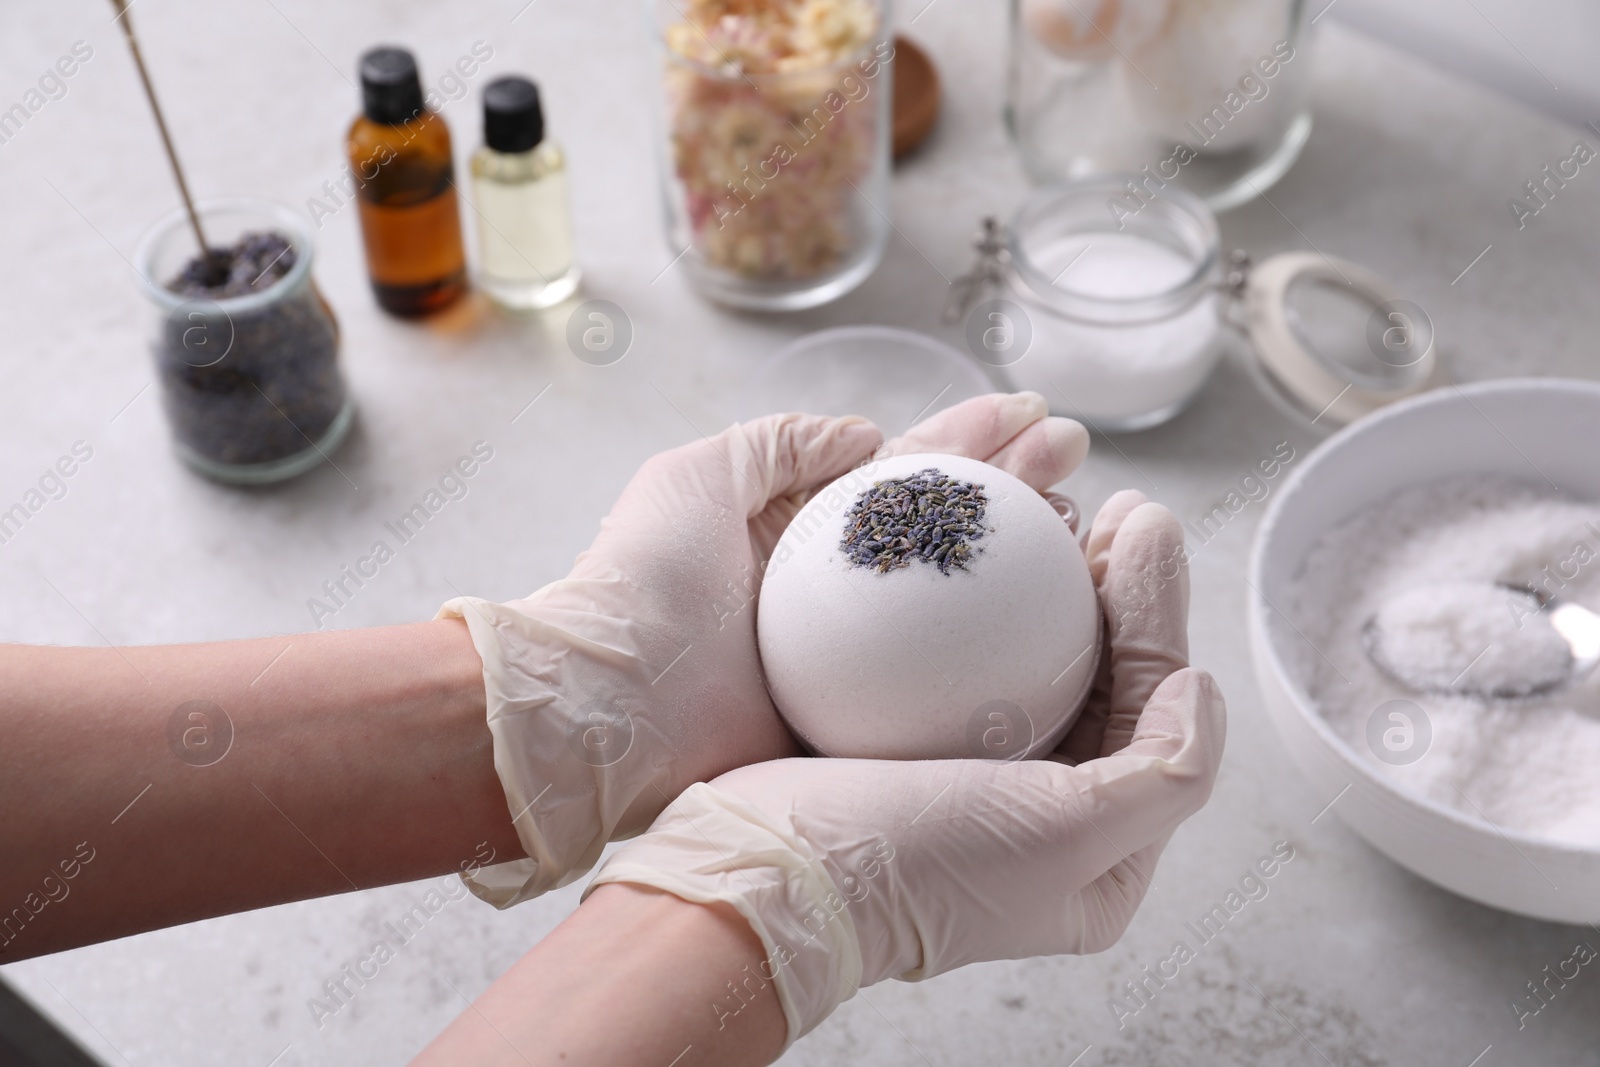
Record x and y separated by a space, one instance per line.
143 787
634 976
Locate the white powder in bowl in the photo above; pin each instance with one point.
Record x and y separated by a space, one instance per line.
1426 563
1469 637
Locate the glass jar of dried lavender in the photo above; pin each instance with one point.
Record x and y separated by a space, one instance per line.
246 348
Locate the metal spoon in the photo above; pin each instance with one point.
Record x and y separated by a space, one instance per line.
1566 649
1574 622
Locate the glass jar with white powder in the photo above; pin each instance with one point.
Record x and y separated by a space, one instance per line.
1117 326
1118 319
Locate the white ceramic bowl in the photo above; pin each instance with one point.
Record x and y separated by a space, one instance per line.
1525 428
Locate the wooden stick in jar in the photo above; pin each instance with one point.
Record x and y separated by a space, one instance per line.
121 7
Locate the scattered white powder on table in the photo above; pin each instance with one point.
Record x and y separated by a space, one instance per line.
1529 764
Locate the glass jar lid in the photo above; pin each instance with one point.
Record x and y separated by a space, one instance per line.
1334 339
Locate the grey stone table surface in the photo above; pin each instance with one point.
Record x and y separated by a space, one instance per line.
1347 960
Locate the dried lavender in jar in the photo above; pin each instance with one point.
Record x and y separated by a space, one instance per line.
254 385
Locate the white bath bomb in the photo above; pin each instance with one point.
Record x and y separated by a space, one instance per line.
874 649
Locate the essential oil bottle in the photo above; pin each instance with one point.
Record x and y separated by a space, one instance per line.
519 180
399 154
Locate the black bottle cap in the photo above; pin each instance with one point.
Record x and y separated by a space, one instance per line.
390 91
512 118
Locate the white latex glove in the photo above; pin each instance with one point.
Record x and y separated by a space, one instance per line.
854 871
612 690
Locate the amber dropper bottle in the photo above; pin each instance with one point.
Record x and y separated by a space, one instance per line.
399 154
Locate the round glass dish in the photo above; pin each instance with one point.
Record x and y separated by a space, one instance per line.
891 376
251 384
775 182
1117 322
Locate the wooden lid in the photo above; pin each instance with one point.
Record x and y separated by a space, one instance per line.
916 96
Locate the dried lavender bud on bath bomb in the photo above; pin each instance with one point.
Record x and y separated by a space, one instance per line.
928 607
927 517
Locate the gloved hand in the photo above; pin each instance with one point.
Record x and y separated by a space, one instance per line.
613 689
854 871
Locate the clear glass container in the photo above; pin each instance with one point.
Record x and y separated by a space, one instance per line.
774 163
524 226
1120 322
1207 95
251 383
1116 327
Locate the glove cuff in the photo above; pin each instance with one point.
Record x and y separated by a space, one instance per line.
709 847
564 801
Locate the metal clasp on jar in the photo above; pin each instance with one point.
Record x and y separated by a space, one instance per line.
989 272
1235 284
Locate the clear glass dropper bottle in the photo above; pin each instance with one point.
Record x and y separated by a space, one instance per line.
519 179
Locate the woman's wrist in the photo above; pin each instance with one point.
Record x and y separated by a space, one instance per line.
435 710
677 983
